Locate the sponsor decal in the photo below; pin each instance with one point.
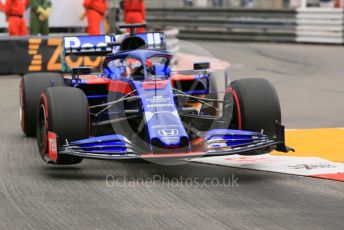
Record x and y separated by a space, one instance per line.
311 166
168 132
36 61
217 146
52 146
303 166
159 102
45 55
155 38
158 99
160 105
87 44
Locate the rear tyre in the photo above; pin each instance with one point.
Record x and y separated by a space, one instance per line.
256 105
65 112
31 88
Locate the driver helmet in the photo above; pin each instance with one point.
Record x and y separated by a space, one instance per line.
132 66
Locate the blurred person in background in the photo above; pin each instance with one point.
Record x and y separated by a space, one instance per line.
39 17
134 12
95 11
14 10
339 3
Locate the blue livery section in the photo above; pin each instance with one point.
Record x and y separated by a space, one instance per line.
165 128
218 140
117 144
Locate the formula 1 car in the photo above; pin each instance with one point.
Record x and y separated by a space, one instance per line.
137 107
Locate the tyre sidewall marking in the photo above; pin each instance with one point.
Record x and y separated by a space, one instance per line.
43 148
22 108
237 104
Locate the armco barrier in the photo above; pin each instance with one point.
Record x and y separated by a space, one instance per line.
306 25
320 25
172 42
228 24
20 55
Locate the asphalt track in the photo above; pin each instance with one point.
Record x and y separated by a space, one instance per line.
38 196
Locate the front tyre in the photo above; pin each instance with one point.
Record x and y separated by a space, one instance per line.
256 105
63 111
31 87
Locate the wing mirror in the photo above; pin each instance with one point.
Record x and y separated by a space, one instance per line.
201 65
80 71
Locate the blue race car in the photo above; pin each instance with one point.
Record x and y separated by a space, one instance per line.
137 107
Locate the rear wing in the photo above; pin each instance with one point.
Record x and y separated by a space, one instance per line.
105 44
87 45
156 40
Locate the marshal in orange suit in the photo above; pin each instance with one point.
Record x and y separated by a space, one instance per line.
95 12
135 12
1 7
14 10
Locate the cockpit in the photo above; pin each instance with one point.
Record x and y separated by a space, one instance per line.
140 65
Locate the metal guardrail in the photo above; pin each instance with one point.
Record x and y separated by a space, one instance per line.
172 40
172 43
319 25
228 24
261 4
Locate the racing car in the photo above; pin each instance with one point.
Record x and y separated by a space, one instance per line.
137 107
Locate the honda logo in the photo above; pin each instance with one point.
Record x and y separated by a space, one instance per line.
168 132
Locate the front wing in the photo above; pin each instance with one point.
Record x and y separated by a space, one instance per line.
215 143
257 149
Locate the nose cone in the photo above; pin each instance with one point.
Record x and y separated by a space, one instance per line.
167 131
180 144
164 126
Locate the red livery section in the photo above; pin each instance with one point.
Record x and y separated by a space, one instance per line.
181 77
94 79
154 84
119 87
52 146
335 176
